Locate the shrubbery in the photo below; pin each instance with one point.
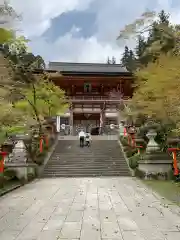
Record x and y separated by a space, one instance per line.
133 161
131 153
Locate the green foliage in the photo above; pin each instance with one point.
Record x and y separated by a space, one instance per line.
133 161
157 94
170 175
25 97
113 61
18 46
2 180
43 99
2 136
130 151
139 26
124 141
162 38
128 60
41 157
140 174
9 115
15 129
5 35
9 174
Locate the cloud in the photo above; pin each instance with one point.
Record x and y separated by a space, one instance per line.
76 49
37 14
71 44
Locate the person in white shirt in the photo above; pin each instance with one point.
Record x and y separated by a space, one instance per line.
82 137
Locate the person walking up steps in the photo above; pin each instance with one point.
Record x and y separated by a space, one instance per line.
88 139
82 136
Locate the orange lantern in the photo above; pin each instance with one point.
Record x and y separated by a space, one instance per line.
174 154
2 154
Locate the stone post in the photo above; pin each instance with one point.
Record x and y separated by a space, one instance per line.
121 130
58 124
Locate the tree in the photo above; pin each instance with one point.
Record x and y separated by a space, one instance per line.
139 50
8 16
19 77
132 62
128 60
113 60
157 94
9 115
42 100
125 57
138 27
161 36
5 36
108 61
163 18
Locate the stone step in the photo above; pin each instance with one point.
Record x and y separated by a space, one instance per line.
69 168
86 169
72 159
84 163
99 152
103 158
109 155
107 173
114 174
88 156
75 160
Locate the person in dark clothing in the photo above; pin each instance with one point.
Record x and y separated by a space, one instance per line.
82 137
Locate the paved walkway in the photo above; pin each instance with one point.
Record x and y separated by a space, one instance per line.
86 209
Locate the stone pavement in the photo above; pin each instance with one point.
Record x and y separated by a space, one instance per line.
86 209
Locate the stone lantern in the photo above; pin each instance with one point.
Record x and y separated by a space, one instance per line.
155 162
152 145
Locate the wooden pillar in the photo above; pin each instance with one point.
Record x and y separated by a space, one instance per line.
72 90
102 119
71 120
120 87
102 89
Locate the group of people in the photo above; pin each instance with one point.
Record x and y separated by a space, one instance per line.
84 138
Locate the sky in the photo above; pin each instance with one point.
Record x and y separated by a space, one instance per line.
82 30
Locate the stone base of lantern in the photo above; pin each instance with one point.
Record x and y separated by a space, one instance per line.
155 163
23 170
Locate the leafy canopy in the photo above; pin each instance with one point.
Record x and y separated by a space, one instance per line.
47 101
158 86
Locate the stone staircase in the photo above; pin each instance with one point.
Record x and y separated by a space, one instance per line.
102 158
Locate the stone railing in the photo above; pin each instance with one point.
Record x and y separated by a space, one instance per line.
76 128
97 99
